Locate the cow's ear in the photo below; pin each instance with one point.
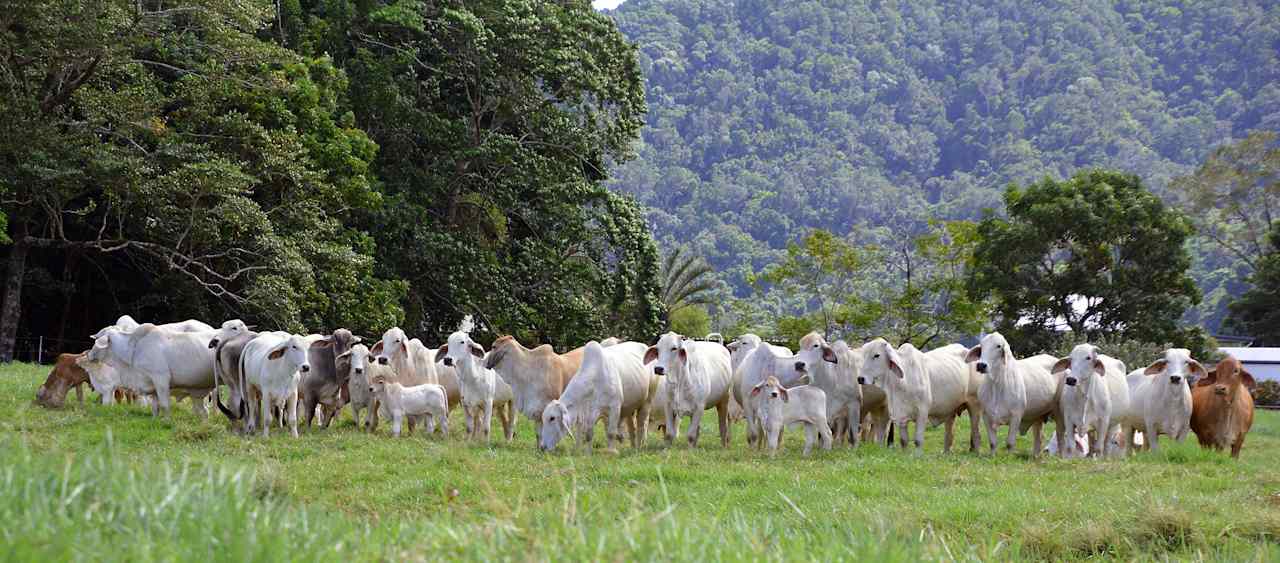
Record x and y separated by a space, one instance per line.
1156 367
1198 369
1247 379
376 348
356 340
975 354
786 397
476 350
756 390
1098 368
895 368
1063 365
442 351
276 354
323 343
651 354
733 346
684 356
829 355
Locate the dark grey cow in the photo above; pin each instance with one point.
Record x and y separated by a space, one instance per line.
228 345
323 384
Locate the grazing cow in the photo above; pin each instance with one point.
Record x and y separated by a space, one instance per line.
161 362
270 368
924 388
482 389
779 407
113 377
64 376
323 384
1222 410
764 361
536 376
611 384
425 404
1093 394
1160 400
1018 393
698 378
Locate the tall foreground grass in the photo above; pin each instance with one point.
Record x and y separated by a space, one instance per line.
111 483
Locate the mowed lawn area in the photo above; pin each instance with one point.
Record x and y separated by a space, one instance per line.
98 482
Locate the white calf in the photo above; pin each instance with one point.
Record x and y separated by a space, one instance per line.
780 407
1093 388
791 370
426 404
698 378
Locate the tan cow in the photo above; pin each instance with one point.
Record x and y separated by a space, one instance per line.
1222 407
536 376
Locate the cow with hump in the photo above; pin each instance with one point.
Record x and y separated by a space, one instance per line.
537 376
698 377
611 384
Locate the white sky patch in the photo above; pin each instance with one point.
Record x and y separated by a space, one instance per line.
605 4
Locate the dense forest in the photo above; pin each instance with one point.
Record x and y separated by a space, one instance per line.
868 119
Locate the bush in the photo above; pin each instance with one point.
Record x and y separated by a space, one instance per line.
1267 393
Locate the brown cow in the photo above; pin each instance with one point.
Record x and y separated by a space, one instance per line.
64 376
1222 407
536 376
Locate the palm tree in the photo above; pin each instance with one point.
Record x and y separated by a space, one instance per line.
686 280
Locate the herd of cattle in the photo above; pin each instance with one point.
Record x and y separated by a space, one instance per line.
834 391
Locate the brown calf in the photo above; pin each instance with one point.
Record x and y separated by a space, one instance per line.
64 376
1222 407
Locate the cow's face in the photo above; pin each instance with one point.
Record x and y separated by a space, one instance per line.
992 355
1082 365
394 343
293 351
556 424
813 351
1228 378
1176 368
879 362
228 331
459 348
503 346
99 351
669 356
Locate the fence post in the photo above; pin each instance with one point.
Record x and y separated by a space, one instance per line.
40 351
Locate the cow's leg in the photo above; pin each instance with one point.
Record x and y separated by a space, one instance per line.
508 420
309 408
1152 436
722 416
631 429
374 406
1038 428
468 418
922 422
993 433
1237 445
949 436
695 426
1105 433
642 423
162 396
266 413
975 424
1015 426
672 423
853 422
198 404
487 419
80 393
613 427
810 436
293 414
397 419
749 415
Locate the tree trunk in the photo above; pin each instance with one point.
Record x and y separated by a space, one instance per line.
69 271
11 312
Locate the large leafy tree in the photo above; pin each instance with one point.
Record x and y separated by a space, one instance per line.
1257 312
497 121
213 163
1096 254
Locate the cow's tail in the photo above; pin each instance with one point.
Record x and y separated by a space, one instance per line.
217 376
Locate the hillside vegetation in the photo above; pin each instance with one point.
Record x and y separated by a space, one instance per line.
767 118
94 482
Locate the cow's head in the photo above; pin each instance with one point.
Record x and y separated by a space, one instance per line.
1176 368
394 344
879 362
229 330
293 351
1228 378
557 422
669 355
813 352
459 348
503 346
1081 366
991 355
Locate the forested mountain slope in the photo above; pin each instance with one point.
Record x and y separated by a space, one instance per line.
768 117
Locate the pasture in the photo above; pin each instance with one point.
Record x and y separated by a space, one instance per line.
98 482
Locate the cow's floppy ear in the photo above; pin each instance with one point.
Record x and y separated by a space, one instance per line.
733 346
829 355
651 354
1099 368
356 340
346 354
277 353
476 350
1062 365
1210 377
1156 367
786 397
974 354
442 351
1198 369
756 390
895 368
684 356
1247 379
376 348
323 343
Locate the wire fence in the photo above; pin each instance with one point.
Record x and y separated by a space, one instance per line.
45 350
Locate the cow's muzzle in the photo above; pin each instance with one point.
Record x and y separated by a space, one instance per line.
213 343
1219 389
862 380
982 367
801 367
1175 379
359 371
1070 381
383 360
448 361
304 368
659 370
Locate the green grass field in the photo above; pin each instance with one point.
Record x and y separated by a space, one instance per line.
98 482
